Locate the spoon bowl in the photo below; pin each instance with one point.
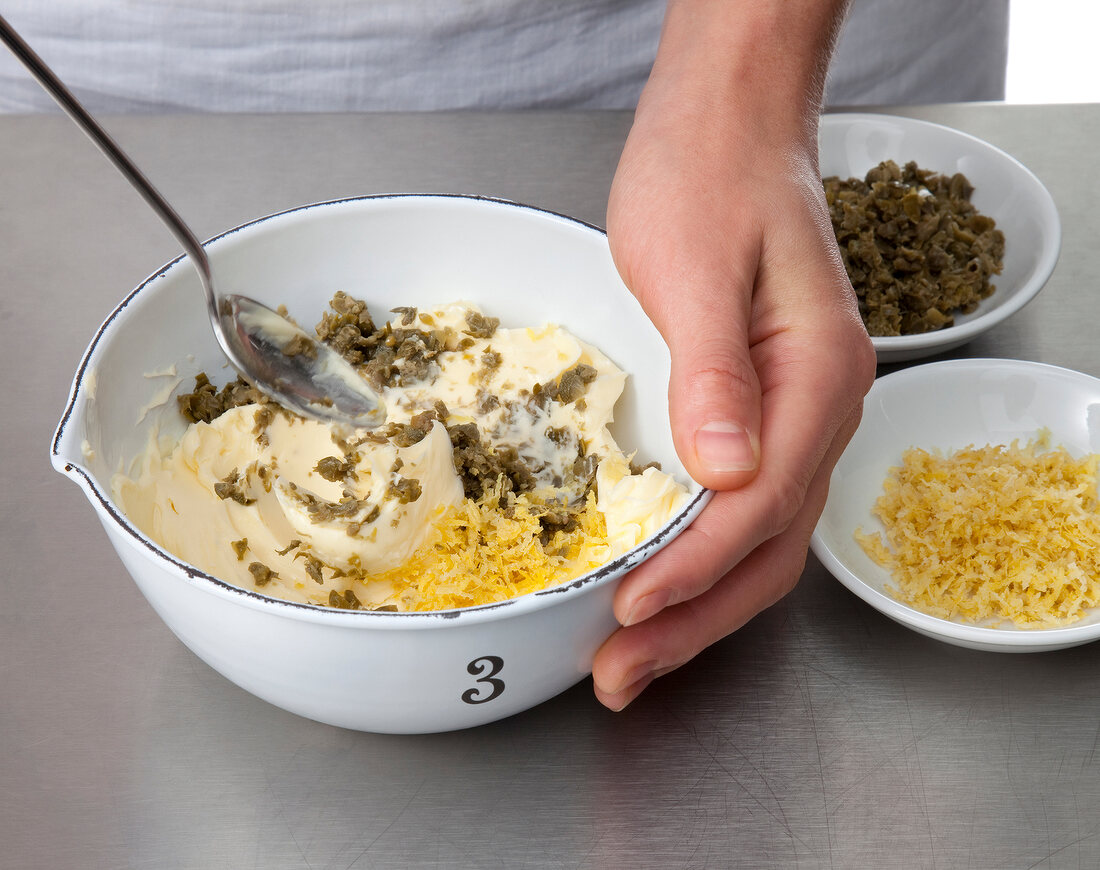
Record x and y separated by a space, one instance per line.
296 370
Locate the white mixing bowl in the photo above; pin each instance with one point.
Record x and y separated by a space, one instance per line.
387 672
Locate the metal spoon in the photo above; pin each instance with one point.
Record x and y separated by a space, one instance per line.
291 367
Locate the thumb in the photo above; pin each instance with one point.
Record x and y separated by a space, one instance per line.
713 391
694 271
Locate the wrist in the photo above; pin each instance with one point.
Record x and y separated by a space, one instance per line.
746 69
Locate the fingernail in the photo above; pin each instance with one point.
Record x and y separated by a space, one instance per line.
723 446
636 679
648 605
629 694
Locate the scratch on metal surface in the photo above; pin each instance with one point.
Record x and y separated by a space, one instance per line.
868 773
830 676
280 809
1091 758
385 830
921 792
780 816
1075 842
820 770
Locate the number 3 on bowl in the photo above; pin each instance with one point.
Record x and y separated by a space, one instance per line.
485 668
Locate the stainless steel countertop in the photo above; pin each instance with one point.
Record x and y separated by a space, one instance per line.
820 735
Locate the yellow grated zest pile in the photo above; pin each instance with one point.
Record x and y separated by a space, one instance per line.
479 554
995 533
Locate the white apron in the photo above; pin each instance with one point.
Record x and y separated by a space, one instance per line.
369 55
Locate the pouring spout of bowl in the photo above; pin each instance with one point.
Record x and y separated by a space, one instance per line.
71 450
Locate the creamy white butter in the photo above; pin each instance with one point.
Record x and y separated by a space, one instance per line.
305 504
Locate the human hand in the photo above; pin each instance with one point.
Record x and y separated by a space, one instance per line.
721 231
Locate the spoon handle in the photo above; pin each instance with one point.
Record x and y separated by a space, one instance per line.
102 139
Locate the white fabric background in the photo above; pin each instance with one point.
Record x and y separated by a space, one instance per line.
904 52
367 55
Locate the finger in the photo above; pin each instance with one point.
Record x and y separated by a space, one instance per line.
713 393
803 408
632 657
702 309
635 655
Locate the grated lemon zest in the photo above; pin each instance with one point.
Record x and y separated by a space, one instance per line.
992 534
477 554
